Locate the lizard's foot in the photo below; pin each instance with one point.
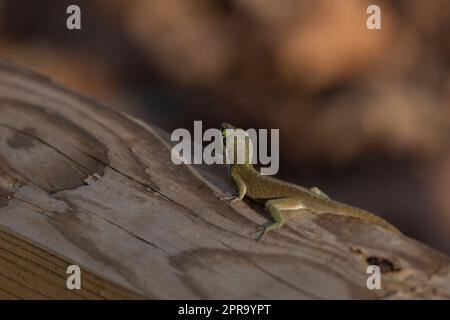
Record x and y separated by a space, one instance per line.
261 231
232 199
235 200
320 193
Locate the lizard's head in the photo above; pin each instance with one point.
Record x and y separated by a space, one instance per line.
238 145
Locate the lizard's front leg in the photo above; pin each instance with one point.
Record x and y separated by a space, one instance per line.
242 189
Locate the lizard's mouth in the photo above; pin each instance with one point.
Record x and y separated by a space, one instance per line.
224 126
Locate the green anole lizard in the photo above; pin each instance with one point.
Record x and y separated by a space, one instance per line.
278 195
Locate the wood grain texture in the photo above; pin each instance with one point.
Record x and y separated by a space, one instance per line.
83 184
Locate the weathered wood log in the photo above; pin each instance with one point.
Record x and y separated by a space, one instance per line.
83 184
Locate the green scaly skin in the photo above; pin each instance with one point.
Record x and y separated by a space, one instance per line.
278 196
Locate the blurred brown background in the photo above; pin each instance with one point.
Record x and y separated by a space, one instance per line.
364 115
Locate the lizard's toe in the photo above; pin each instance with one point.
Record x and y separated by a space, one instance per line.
261 231
227 198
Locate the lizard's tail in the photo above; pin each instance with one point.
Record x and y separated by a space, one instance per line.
359 213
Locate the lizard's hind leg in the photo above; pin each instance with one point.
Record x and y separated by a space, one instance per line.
275 208
320 193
